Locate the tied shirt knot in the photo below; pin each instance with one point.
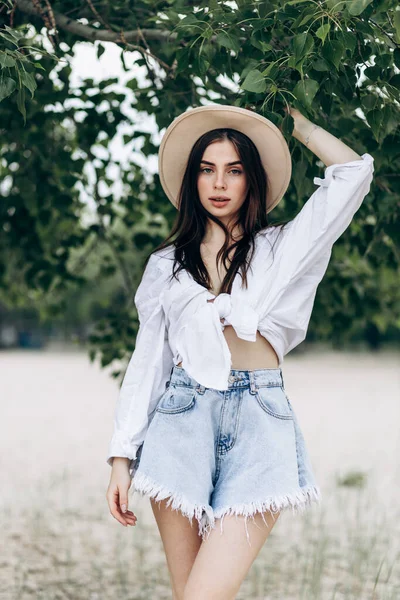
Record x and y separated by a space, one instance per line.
202 344
236 312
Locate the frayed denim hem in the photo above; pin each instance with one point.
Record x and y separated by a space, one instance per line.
298 501
203 513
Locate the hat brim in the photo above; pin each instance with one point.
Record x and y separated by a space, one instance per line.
185 130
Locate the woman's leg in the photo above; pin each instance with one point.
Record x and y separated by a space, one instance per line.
181 543
224 560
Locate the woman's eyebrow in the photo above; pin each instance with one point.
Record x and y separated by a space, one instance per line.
235 162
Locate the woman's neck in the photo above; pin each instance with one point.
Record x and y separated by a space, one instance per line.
215 236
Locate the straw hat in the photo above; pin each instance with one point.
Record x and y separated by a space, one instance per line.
185 130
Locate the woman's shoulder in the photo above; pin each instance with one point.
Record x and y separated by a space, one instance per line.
163 258
154 276
165 253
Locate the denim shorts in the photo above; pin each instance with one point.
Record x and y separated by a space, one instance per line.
213 453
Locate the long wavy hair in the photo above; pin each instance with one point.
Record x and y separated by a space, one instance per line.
191 220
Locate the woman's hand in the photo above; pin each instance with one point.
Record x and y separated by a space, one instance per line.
117 492
296 114
301 123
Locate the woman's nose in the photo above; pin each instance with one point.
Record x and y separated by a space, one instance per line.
220 181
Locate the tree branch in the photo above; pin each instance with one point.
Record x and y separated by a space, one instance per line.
91 33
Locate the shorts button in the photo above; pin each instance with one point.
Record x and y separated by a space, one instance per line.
232 378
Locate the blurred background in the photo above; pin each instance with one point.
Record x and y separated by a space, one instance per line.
86 92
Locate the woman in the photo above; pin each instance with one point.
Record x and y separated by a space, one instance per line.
203 425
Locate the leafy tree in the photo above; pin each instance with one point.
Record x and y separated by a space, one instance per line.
336 61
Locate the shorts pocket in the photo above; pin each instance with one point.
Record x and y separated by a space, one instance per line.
177 399
273 399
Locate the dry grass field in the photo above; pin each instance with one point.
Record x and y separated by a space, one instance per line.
58 540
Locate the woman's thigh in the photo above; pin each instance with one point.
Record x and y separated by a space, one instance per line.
181 543
224 560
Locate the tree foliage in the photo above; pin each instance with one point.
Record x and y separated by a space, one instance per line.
336 61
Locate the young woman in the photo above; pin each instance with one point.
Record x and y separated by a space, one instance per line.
203 425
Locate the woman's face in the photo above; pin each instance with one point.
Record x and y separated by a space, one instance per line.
217 177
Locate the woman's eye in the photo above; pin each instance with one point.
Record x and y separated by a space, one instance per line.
231 171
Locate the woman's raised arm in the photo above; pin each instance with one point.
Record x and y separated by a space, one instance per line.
323 144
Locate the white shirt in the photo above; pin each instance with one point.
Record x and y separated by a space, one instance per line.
176 323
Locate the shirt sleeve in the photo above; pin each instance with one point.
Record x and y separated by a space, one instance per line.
148 369
325 216
303 251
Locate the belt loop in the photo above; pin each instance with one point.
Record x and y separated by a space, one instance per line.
283 383
253 384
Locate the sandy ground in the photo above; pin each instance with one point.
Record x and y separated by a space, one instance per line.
59 540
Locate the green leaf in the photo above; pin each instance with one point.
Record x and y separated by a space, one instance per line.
254 82
396 56
260 39
305 91
28 81
14 33
297 64
323 31
268 70
106 82
384 60
374 119
395 81
390 120
304 19
6 60
302 45
250 65
369 101
172 15
100 50
202 64
356 7
287 126
188 20
319 64
183 60
396 20
373 73
347 39
228 41
21 102
333 51
7 86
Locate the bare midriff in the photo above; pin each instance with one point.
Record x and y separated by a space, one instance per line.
249 355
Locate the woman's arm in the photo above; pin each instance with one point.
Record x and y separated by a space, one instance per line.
323 144
148 369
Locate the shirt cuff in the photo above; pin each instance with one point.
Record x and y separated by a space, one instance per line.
121 446
365 164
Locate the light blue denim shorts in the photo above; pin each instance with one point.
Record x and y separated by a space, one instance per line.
213 453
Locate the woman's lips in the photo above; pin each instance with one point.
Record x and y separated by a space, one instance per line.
219 202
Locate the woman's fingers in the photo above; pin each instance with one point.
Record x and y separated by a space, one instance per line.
127 518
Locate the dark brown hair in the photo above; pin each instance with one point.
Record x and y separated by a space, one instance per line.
191 220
